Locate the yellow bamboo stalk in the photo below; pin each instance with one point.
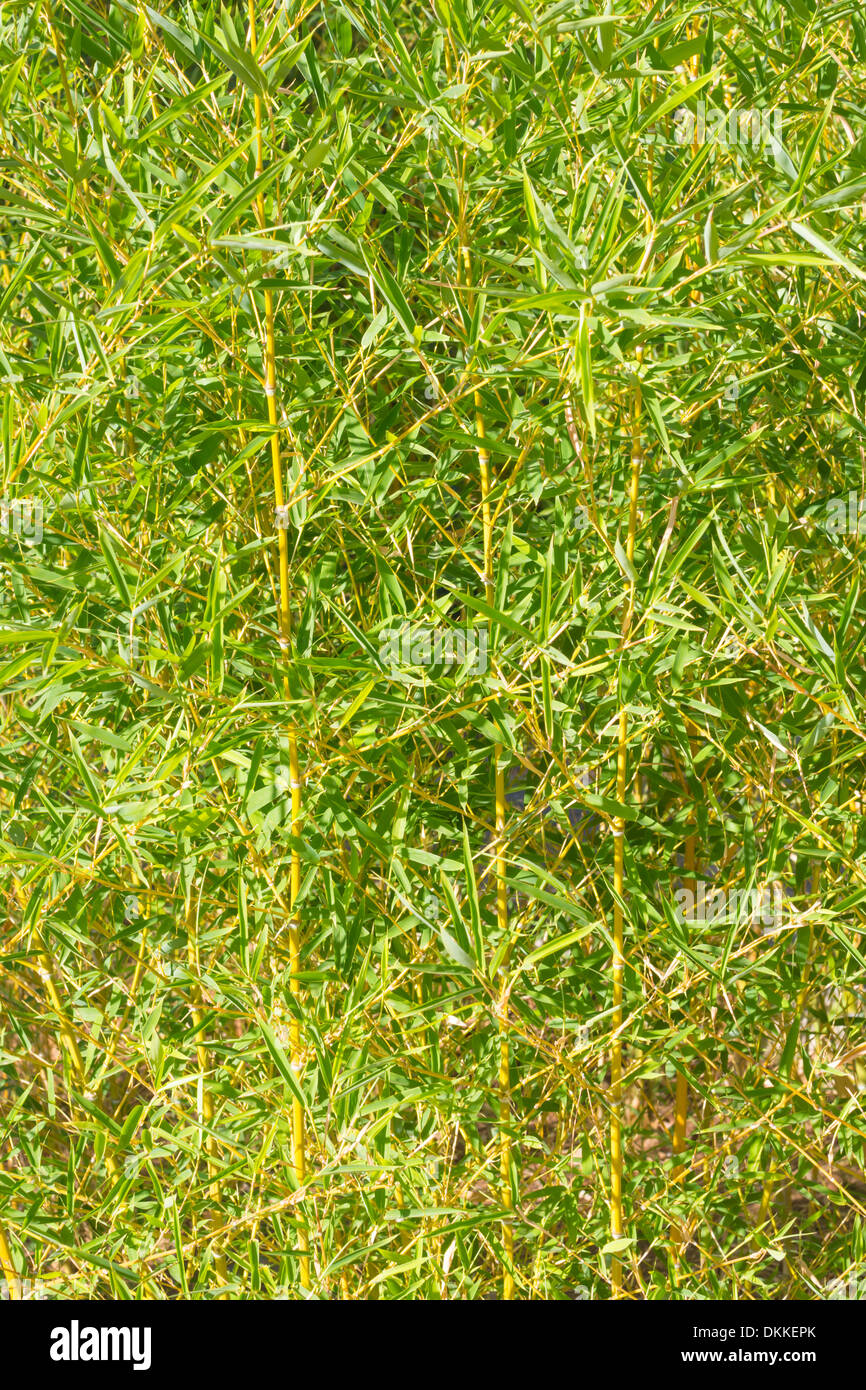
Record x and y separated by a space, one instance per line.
295 1042
58 53
504 1079
681 1098
681 1110
45 971
8 1267
501 902
770 1180
207 1110
67 1034
616 1207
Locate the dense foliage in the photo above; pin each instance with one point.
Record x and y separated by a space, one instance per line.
569 384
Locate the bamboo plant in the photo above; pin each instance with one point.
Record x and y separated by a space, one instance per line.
296 997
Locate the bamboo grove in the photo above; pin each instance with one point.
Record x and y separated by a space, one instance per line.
431 668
